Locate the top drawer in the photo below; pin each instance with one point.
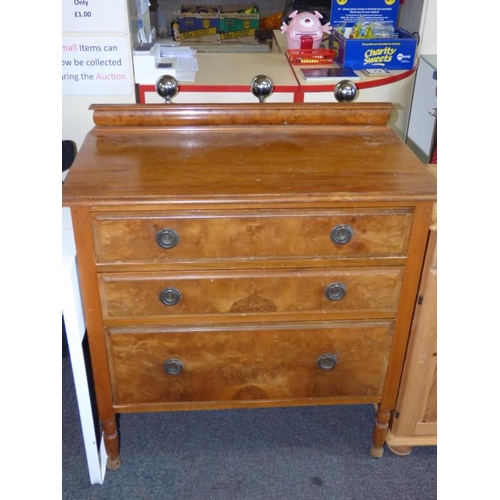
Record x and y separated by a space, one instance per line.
173 237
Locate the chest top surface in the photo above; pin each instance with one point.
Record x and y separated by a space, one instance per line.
244 154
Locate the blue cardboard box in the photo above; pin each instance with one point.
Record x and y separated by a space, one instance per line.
199 23
390 53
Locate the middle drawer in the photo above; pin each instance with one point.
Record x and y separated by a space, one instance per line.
126 295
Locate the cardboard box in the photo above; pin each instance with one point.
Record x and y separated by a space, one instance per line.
199 24
390 53
239 23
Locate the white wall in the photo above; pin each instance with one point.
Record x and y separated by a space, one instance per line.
421 16
429 30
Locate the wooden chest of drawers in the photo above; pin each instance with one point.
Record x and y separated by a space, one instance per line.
247 256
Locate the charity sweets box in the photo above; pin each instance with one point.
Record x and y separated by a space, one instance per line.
239 23
198 23
394 53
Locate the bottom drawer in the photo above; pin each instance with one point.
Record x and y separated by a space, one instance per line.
261 362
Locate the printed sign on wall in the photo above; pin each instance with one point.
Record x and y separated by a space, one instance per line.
94 15
96 66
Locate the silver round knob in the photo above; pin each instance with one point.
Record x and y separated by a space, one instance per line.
335 291
167 87
345 91
327 361
262 87
173 366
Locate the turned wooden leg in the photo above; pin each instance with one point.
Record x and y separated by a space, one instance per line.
112 444
380 433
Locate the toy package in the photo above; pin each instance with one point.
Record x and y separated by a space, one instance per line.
305 30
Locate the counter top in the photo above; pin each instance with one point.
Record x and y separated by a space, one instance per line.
234 72
364 82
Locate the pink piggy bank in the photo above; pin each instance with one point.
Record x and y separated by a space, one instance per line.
305 30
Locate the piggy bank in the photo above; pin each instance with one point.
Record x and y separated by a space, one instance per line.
305 30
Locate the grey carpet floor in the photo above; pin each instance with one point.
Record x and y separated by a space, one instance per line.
315 453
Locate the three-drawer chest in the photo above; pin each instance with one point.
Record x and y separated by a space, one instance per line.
249 255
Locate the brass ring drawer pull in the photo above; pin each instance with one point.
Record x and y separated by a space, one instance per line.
341 234
173 366
170 296
335 291
167 238
327 361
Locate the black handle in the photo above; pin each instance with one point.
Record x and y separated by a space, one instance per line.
167 238
341 234
170 296
335 291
